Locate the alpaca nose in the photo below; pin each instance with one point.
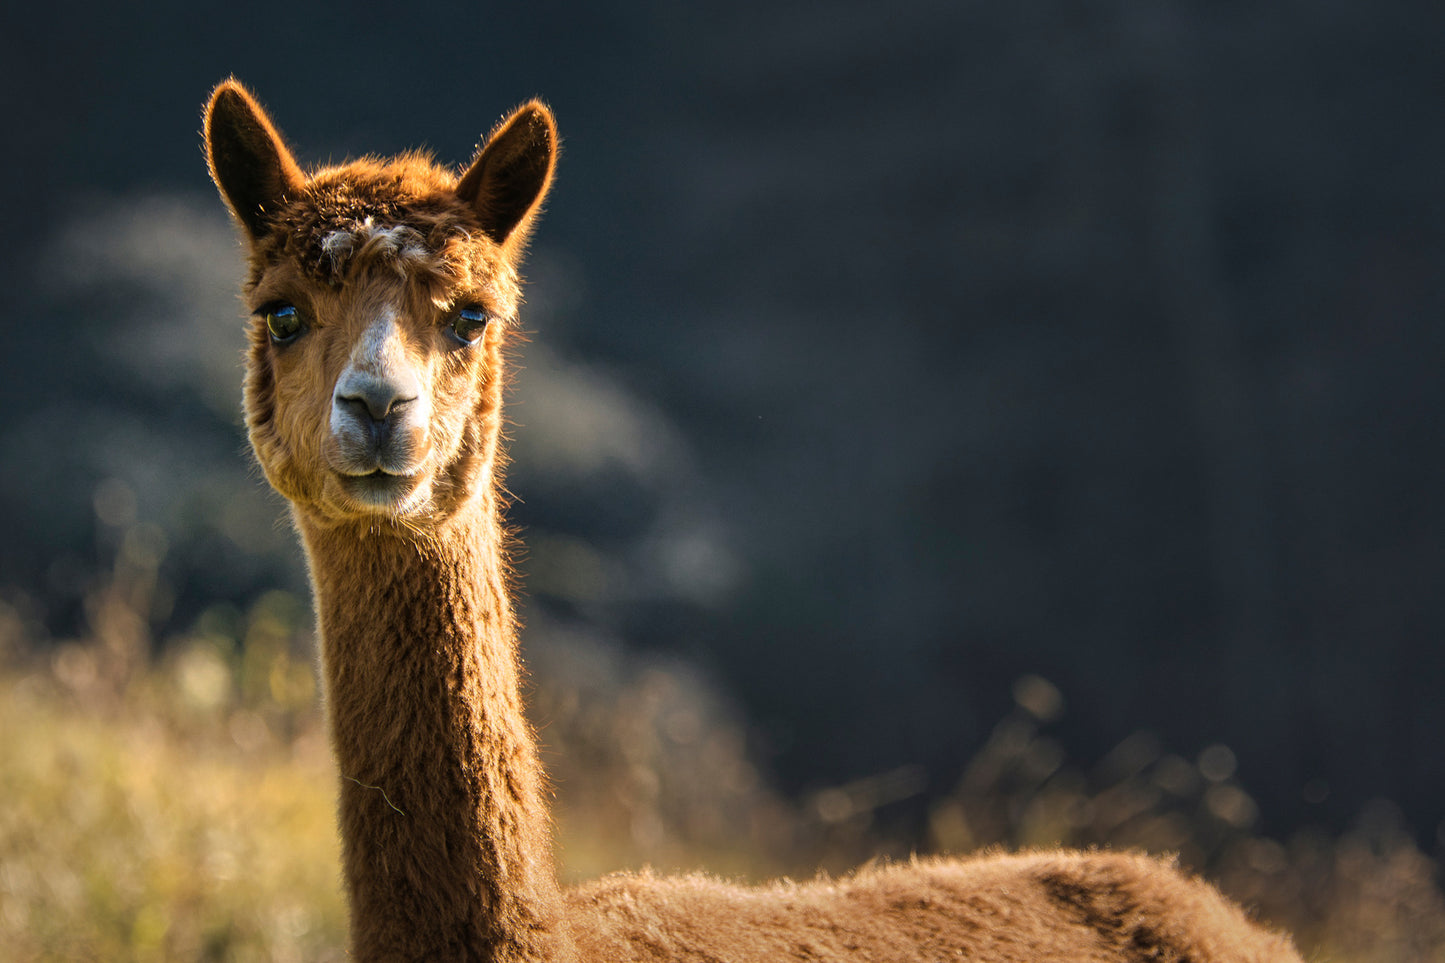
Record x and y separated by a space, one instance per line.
370 398
378 421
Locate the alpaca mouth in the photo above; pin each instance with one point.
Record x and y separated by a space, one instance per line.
379 490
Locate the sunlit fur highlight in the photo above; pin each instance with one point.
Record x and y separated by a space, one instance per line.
443 815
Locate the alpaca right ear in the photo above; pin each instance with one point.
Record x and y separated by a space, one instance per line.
249 162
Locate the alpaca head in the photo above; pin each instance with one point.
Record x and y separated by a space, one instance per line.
381 293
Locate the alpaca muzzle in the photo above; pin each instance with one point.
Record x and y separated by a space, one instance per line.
377 424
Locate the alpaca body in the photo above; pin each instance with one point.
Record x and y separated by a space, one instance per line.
444 794
382 294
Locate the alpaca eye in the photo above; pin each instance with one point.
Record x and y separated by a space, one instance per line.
469 324
284 323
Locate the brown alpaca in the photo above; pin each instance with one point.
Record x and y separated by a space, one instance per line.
383 293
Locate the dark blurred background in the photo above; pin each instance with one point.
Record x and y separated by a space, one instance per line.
883 354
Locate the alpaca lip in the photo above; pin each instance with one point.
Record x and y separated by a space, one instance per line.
378 490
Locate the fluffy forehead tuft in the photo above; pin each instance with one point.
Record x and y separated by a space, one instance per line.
401 213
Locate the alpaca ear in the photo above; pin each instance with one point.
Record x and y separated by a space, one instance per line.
510 176
249 162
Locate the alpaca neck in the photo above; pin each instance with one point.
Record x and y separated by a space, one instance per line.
446 838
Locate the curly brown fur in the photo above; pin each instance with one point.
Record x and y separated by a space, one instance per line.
382 294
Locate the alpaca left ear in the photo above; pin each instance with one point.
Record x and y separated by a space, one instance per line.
511 175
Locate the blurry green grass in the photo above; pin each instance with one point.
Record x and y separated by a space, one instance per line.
182 809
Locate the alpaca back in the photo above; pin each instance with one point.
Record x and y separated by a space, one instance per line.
1044 907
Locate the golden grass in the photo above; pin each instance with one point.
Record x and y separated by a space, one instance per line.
183 810
134 833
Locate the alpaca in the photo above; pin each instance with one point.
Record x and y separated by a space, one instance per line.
383 295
